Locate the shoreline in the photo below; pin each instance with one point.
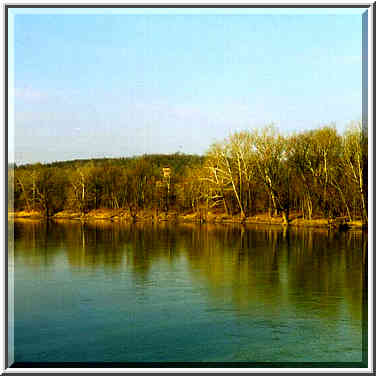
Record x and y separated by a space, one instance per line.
149 216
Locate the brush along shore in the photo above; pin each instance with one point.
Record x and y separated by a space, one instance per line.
119 215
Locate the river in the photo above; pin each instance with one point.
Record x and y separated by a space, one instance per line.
192 294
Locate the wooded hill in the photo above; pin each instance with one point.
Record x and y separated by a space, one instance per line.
318 173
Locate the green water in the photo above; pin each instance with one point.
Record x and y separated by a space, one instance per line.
105 292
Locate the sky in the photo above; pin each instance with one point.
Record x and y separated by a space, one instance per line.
117 84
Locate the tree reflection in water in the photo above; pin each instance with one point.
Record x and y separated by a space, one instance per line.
249 266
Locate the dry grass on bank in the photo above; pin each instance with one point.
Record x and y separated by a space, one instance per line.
120 215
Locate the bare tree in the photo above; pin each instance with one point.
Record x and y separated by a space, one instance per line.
354 148
271 158
224 172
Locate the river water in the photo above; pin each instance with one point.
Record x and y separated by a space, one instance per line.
228 294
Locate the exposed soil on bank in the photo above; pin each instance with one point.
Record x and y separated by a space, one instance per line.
25 214
120 215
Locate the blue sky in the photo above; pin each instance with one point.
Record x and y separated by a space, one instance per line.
108 85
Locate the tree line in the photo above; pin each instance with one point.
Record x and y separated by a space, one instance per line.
318 173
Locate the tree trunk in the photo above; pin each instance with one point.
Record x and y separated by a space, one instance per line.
224 200
28 207
309 207
274 202
238 199
285 216
364 208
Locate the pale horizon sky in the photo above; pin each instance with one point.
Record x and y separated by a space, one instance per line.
118 85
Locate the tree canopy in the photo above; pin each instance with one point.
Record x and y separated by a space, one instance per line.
316 173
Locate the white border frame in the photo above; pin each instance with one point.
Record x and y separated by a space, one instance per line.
3 205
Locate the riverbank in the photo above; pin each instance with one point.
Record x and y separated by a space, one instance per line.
123 215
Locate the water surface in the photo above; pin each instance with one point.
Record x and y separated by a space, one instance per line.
104 292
